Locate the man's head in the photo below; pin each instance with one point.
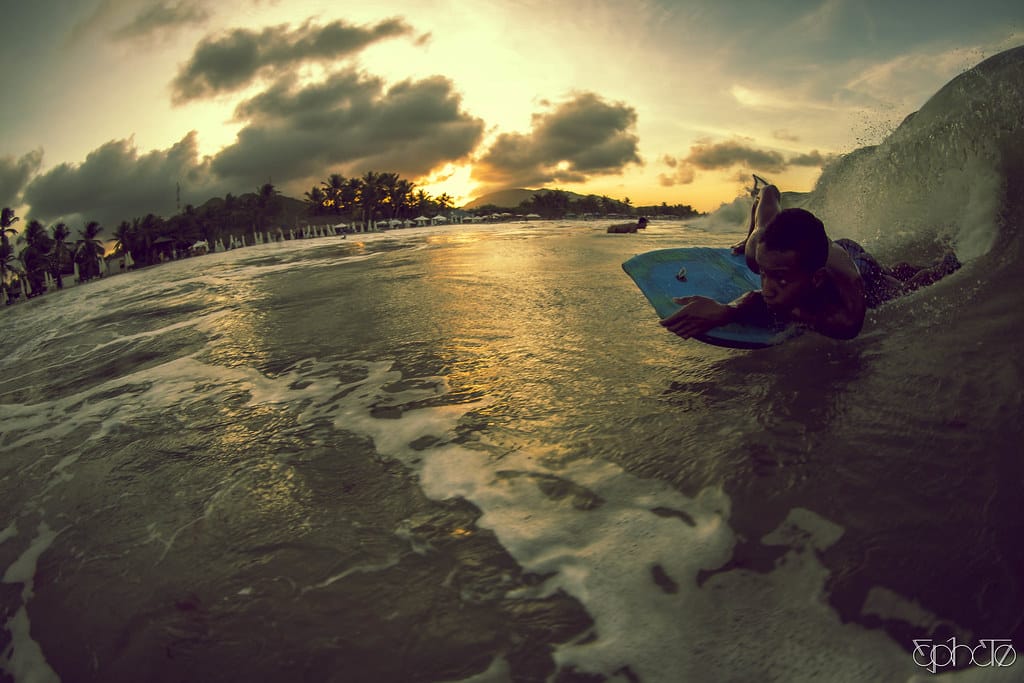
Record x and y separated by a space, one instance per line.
791 255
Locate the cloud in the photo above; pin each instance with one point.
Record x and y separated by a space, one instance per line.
15 174
349 124
812 158
116 183
708 156
162 16
785 135
711 156
582 137
295 136
233 60
147 20
682 172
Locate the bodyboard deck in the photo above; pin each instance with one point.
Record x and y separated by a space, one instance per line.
716 273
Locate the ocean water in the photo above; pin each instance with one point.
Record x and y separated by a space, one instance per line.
472 454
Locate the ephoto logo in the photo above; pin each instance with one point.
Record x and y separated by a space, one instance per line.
939 655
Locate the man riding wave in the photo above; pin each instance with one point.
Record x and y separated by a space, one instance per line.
805 277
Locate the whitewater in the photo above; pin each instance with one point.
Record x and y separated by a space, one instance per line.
470 453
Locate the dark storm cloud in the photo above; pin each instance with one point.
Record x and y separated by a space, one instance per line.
116 183
233 60
15 174
162 16
350 124
583 137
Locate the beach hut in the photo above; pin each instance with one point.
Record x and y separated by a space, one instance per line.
533 216
165 248
199 248
394 223
438 219
421 221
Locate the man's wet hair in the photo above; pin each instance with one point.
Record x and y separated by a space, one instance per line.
798 230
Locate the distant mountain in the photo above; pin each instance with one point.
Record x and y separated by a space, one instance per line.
510 199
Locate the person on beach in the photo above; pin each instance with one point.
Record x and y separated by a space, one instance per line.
805 277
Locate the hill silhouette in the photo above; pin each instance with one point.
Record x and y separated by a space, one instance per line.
512 198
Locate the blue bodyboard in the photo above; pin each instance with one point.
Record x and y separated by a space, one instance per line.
712 272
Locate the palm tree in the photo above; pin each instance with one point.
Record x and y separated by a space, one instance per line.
349 196
371 195
230 207
333 193
267 205
422 202
317 199
37 237
445 202
7 219
88 251
125 242
122 235
396 194
145 233
8 271
34 256
59 254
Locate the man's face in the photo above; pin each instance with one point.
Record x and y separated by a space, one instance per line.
784 283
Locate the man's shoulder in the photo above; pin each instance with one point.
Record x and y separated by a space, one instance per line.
840 265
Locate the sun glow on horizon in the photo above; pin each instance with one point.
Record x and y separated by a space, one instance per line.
455 180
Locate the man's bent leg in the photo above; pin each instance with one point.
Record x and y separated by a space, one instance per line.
738 247
768 206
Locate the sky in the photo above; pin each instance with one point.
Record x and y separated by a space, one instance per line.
112 109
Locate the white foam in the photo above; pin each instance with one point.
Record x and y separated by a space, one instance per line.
605 555
598 536
498 671
887 604
23 658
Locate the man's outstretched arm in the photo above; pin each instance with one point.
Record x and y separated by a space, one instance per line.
700 314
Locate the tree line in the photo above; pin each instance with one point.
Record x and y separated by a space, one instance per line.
39 250
554 204
45 251
374 196
151 238
361 200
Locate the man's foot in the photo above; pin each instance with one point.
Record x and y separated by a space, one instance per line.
759 182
